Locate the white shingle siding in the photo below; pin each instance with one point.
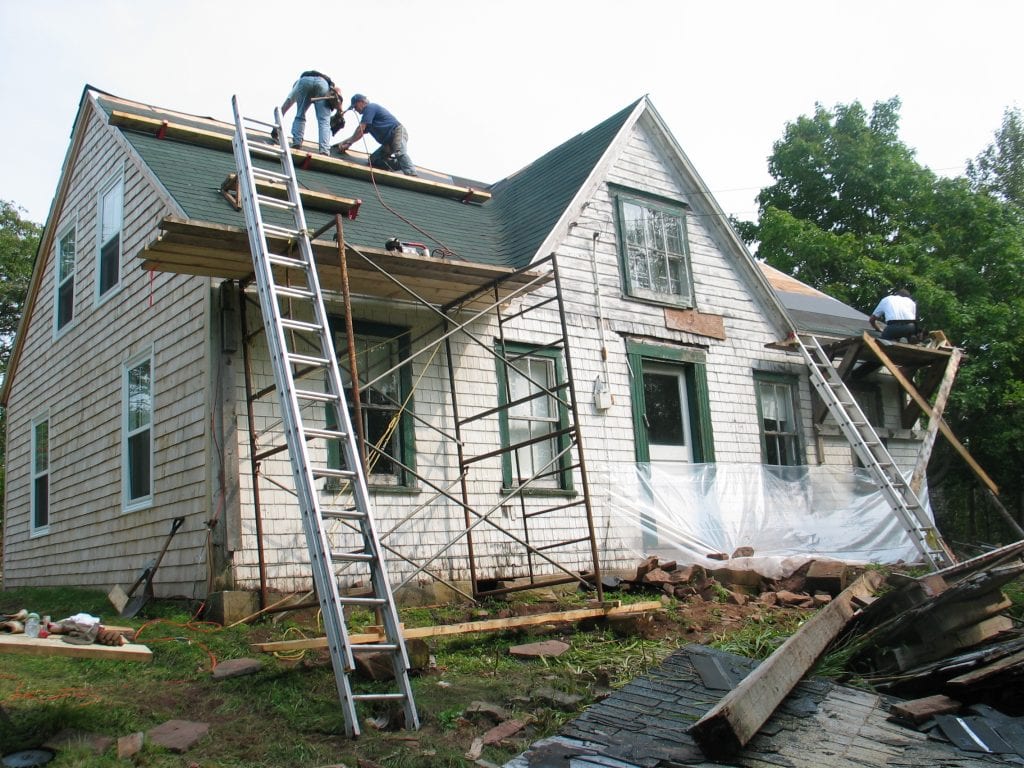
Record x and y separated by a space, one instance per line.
78 378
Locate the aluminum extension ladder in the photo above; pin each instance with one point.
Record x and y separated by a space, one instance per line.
313 402
873 454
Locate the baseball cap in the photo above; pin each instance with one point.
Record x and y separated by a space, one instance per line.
357 98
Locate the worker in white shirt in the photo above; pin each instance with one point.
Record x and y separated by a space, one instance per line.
899 313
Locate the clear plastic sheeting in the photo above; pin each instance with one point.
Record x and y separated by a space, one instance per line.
787 515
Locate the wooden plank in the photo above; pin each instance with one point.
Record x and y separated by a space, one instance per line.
737 717
317 201
216 139
911 390
54 646
909 656
975 676
924 454
490 625
919 710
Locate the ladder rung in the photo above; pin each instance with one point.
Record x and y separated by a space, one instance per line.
344 474
265 150
286 261
320 397
342 514
361 600
326 434
367 647
291 292
272 229
267 175
379 696
353 557
274 202
297 359
299 325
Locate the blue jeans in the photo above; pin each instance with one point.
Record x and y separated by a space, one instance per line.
303 93
392 155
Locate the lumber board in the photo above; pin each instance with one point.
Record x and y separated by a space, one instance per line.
466 627
54 646
304 160
311 198
911 390
738 716
975 676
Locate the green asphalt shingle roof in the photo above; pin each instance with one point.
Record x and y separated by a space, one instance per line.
504 231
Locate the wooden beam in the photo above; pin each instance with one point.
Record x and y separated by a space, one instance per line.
844 367
909 387
54 646
490 625
731 723
304 160
317 201
925 453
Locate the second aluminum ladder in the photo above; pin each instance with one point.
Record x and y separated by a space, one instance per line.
873 454
314 409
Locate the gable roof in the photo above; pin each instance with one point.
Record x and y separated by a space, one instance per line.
505 225
813 311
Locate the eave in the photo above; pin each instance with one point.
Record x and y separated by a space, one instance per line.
190 247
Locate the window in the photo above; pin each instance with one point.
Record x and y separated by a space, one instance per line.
65 279
869 398
669 395
654 252
385 402
137 445
531 392
108 254
40 475
780 432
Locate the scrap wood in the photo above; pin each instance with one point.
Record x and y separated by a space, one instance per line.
490 625
731 723
55 646
1014 663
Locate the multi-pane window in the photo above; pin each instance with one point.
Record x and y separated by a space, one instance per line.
384 401
654 251
111 213
138 433
65 302
40 475
780 433
532 419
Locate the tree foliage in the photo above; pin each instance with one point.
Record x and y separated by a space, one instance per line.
19 240
1000 168
854 214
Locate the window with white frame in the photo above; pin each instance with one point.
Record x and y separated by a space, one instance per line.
64 302
534 414
654 251
137 444
780 433
108 251
40 475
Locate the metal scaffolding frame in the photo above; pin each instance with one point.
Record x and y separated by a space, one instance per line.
484 528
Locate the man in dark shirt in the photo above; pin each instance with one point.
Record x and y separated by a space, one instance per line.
386 131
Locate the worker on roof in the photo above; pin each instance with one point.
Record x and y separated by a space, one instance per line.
387 131
899 311
317 89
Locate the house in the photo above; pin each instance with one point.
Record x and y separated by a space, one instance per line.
540 364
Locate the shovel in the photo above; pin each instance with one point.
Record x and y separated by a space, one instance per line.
128 606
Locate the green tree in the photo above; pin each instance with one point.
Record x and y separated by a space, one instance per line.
1000 168
852 213
19 240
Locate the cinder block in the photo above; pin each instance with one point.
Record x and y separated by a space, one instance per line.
230 606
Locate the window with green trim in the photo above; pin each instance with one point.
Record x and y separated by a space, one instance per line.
385 401
654 251
780 428
534 415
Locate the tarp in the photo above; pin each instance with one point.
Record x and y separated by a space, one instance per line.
787 515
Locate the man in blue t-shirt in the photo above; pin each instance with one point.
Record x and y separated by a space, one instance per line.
386 130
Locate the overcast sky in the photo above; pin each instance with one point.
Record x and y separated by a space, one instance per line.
486 87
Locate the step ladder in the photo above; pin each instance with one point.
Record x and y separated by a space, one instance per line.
314 410
873 454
